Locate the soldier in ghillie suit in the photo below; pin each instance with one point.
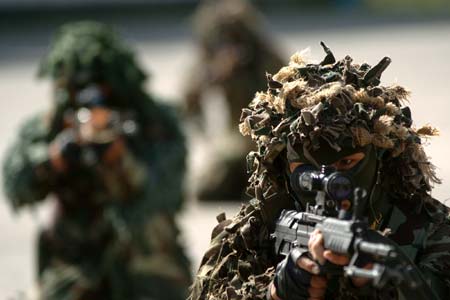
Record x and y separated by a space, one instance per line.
113 160
333 113
233 59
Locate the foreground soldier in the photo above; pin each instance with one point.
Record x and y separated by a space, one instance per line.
113 160
233 59
334 114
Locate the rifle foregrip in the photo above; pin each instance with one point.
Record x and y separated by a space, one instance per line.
373 274
337 235
377 249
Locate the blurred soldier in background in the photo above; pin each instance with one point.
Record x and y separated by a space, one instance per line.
113 160
233 59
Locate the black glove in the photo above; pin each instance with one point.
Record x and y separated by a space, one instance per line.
69 148
292 282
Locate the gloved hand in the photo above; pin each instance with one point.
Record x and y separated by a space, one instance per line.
297 278
65 151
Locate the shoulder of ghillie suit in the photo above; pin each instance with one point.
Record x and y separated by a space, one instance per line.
335 101
239 262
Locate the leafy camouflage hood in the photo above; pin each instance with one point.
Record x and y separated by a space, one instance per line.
219 22
90 52
338 104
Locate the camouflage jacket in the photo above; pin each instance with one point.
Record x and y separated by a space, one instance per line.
139 228
240 262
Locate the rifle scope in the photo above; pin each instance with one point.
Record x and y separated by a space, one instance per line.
337 185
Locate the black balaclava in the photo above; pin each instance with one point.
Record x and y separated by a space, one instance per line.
364 174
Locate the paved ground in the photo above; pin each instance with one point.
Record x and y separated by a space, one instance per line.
419 51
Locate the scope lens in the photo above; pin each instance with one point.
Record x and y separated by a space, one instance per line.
339 187
305 182
300 178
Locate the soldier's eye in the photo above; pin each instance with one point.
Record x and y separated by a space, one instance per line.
346 164
349 162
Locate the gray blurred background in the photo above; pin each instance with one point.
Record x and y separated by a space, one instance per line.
415 34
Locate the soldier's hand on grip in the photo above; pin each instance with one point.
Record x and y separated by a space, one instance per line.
321 255
65 151
297 278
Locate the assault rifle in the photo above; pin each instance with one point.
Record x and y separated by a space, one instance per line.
348 234
96 127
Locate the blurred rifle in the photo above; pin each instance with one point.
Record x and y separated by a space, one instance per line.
347 235
97 129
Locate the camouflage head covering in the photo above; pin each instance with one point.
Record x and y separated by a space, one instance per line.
90 52
338 104
218 22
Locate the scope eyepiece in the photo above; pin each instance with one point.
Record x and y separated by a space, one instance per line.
338 186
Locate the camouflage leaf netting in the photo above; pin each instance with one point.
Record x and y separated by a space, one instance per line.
337 103
86 52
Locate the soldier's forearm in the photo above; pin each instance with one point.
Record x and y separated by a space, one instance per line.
27 174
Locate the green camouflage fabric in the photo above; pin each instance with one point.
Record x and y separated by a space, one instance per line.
240 261
233 57
329 105
113 233
86 52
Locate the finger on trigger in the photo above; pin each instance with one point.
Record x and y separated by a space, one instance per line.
308 265
337 259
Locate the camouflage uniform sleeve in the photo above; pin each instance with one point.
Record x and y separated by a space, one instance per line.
168 166
26 173
237 264
160 266
434 260
161 151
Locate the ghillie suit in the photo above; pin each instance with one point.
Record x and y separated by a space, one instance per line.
113 235
234 56
310 113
